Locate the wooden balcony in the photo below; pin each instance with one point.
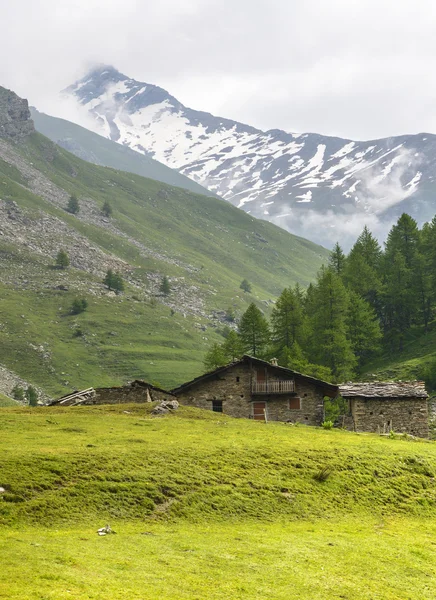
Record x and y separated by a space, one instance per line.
273 387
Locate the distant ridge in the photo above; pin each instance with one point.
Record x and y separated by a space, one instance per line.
99 150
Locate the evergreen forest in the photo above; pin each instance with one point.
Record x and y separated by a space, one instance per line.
363 303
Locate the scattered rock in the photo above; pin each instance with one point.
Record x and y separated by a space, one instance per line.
105 530
165 407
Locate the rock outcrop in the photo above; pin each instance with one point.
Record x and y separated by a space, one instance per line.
15 119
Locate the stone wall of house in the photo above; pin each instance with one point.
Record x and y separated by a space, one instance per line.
403 415
129 393
233 388
311 410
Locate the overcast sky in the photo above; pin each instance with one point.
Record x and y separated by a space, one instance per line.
353 68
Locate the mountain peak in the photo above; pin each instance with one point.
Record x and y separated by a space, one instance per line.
15 119
295 180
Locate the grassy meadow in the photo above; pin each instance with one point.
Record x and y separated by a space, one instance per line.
206 506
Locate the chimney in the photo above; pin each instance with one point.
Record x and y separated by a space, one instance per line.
274 362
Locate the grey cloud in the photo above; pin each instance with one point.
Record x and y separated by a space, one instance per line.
355 69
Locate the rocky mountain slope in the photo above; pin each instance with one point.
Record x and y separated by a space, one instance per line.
202 244
322 187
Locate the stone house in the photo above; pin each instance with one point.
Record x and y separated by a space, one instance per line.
381 407
257 389
136 391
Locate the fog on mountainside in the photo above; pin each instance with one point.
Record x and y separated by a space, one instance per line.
323 188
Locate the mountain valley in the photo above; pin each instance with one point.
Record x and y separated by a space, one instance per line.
204 245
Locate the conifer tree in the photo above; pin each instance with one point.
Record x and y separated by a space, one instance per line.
329 345
245 286
337 260
363 328
214 358
107 208
401 294
368 247
362 269
254 331
398 300
117 283
62 259
31 396
232 347
165 287
109 278
287 320
73 206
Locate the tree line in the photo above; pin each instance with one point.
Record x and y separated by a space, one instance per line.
361 303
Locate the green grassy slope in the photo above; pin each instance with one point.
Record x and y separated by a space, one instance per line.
205 245
416 361
5 401
96 149
206 506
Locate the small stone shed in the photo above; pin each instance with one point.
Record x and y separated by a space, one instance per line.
136 391
257 389
384 406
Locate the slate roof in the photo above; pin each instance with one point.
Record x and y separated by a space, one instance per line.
383 389
330 388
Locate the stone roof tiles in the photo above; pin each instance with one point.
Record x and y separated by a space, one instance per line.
384 389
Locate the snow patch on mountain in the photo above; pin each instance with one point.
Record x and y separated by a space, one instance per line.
294 180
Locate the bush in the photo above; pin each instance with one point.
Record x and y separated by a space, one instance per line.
327 425
79 305
323 474
18 392
230 315
334 408
245 286
114 281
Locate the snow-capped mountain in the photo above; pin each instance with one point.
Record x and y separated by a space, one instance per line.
322 187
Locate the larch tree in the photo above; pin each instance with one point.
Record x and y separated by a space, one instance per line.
287 320
329 345
254 331
337 260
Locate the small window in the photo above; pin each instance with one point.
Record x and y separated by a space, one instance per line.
237 379
295 403
370 412
217 406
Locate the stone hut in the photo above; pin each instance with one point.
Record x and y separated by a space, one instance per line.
381 407
257 389
136 391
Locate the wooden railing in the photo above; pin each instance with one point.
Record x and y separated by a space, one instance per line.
273 387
